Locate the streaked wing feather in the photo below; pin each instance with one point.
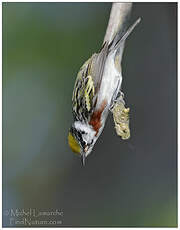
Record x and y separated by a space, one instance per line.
97 66
87 84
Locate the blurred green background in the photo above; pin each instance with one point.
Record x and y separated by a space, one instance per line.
124 183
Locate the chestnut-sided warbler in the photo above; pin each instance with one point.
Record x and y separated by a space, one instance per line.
96 88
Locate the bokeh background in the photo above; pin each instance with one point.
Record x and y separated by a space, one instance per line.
124 183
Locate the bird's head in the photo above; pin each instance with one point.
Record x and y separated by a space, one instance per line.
81 139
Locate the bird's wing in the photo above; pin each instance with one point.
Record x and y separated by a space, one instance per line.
97 66
87 85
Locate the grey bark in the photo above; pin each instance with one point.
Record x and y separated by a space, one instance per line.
119 15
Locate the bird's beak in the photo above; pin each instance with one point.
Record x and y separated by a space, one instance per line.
83 158
83 155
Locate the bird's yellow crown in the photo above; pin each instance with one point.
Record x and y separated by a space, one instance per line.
73 144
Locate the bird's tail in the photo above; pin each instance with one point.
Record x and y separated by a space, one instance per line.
119 40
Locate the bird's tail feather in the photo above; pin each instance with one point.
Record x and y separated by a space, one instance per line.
117 42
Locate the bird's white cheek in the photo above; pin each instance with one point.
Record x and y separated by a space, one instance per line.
90 136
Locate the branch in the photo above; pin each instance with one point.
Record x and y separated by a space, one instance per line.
118 19
119 16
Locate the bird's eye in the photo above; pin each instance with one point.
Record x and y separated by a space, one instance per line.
83 132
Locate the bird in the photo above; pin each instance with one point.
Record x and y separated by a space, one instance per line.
97 86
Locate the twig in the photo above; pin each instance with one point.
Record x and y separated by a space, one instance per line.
120 13
118 19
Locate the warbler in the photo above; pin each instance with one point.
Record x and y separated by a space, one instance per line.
96 88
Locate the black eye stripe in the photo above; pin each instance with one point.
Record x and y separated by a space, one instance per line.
79 136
